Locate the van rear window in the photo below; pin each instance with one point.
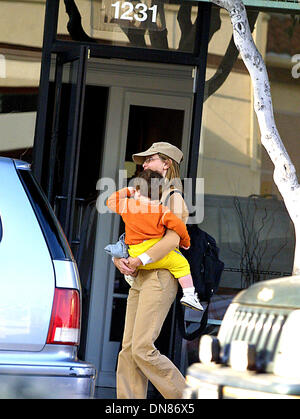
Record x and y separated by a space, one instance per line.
53 233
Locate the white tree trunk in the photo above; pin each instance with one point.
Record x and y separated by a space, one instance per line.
284 170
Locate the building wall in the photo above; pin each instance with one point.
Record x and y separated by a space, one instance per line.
234 164
231 158
21 36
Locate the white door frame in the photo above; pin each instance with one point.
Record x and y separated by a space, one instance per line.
99 350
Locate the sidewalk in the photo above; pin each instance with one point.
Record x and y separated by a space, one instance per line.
105 393
110 393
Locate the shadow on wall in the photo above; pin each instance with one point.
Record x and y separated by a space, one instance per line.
255 236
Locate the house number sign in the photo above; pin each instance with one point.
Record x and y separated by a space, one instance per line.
129 11
111 15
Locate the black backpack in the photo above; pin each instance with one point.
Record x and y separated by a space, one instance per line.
206 270
203 257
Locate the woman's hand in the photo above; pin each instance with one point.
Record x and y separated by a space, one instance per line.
122 265
133 263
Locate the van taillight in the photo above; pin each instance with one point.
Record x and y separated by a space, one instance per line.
65 318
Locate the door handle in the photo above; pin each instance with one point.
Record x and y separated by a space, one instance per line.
1 229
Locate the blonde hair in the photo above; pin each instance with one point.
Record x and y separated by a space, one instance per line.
173 172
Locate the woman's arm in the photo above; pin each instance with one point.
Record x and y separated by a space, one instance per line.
172 222
168 243
171 239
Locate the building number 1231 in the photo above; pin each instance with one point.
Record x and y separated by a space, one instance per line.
138 12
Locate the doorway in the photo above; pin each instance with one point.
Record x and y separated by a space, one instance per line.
126 106
135 119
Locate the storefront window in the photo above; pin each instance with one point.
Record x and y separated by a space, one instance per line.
20 62
157 24
244 210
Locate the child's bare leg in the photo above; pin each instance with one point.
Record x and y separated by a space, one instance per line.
186 281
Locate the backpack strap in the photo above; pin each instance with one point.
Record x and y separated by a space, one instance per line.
170 194
182 323
178 306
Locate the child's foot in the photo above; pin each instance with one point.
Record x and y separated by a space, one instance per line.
192 301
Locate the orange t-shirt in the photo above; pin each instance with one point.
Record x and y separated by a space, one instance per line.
145 219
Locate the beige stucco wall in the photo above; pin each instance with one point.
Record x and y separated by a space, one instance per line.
21 38
22 22
21 25
231 157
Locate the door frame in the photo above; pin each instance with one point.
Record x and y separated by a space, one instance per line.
174 95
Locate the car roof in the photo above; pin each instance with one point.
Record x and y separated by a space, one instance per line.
19 164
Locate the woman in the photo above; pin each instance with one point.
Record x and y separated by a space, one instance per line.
151 297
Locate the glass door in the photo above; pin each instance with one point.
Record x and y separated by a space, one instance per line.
66 124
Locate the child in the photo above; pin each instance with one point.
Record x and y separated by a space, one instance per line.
145 221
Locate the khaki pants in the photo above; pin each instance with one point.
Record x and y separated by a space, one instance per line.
148 304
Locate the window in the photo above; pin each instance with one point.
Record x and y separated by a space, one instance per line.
149 24
58 246
18 102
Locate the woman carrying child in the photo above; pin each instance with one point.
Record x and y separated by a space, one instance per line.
151 296
146 220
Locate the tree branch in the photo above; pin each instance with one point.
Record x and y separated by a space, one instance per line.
284 170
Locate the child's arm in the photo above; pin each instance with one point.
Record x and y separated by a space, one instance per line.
118 200
170 221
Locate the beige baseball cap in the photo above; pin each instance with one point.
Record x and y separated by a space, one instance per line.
161 147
